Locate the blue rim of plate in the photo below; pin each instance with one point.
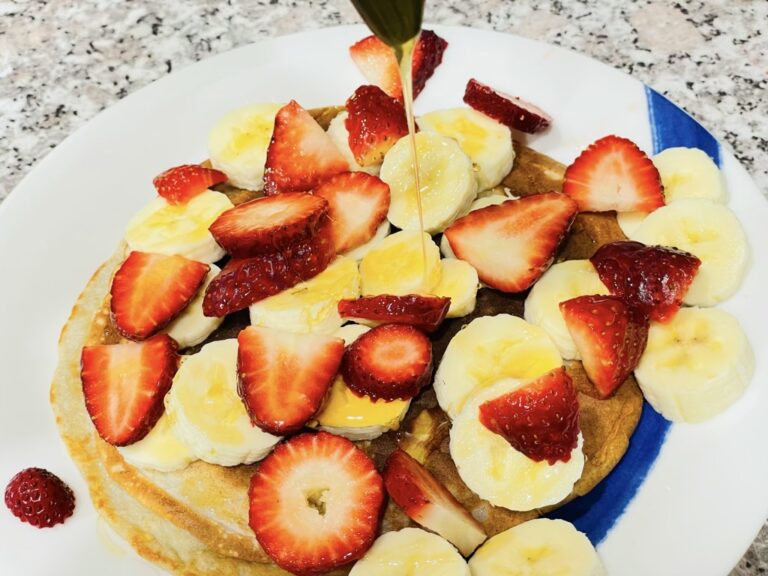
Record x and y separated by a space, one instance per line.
598 511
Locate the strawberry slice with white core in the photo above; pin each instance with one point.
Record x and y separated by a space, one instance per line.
391 362
512 244
300 154
283 376
513 112
614 174
315 503
180 184
378 64
426 501
358 204
150 290
268 224
124 386
375 121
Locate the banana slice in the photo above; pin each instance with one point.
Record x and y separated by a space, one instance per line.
481 202
310 306
411 552
540 547
396 266
238 144
337 130
487 142
685 173
498 473
381 232
460 283
696 365
488 349
561 282
709 231
165 228
192 326
351 332
448 184
161 449
209 414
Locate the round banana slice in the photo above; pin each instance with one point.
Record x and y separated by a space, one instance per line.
209 414
310 306
381 232
238 144
561 282
498 473
411 552
481 202
459 282
538 547
708 230
685 173
161 449
337 130
396 266
488 349
192 326
487 142
696 365
165 228
447 180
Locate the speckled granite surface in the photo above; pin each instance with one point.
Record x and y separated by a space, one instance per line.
62 61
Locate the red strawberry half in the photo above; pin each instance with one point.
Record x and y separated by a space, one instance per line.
513 112
610 336
429 503
244 281
315 503
149 290
541 419
378 64
180 184
389 362
284 376
512 244
39 497
423 312
124 386
653 278
614 174
358 204
300 154
375 121
268 224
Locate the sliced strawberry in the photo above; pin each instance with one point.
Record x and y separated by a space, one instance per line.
301 154
358 204
610 336
513 112
180 184
378 64
244 281
39 498
653 278
541 419
124 386
375 122
315 503
284 376
512 244
268 224
389 362
149 290
426 501
614 174
423 312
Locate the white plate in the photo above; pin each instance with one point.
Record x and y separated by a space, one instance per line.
695 513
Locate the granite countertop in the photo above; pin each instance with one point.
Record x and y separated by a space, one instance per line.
62 62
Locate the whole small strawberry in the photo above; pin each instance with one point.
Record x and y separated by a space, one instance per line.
40 498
